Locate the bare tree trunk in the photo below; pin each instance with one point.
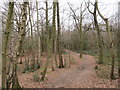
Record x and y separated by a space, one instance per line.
20 44
100 43
118 55
99 35
32 44
39 39
54 32
79 27
111 46
59 39
5 42
112 51
81 38
42 39
49 47
118 45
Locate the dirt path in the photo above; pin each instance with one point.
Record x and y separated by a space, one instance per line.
80 74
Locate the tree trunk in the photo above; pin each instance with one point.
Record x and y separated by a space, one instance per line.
20 44
118 45
32 43
81 38
111 46
54 32
42 39
49 49
59 39
21 57
112 51
99 35
5 42
118 54
15 83
39 39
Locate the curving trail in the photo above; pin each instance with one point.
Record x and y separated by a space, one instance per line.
81 74
77 76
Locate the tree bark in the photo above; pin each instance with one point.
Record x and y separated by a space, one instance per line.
59 39
32 43
20 44
111 46
39 38
54 40
5 42
81 38
49 47
99 35
118 54
118 45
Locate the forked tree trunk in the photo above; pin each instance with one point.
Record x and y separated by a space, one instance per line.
100 43
112 51
100 61
111 46
15 83
79 27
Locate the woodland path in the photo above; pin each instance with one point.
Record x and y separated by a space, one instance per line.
81 74
75 76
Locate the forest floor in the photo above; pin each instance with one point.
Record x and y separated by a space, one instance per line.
80 74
